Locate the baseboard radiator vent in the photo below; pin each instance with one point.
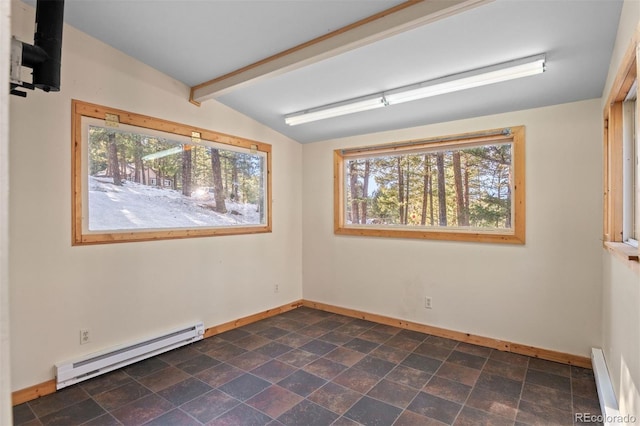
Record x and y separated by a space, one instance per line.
71 372
606 395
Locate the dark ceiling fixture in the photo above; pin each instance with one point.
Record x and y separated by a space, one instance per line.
44 56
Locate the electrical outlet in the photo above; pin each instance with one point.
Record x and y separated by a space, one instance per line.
276 288
85 337
427 302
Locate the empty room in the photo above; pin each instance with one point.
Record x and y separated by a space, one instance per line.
288 212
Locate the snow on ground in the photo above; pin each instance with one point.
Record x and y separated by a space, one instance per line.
137 206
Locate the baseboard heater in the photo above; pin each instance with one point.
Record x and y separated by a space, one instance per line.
606 395
71 372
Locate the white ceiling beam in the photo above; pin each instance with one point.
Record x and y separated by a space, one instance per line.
401 18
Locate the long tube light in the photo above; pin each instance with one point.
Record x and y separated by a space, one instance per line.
482 77
335 110
518 68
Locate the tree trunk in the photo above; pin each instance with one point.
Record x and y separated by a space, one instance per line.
406 195
425 190
401 192
353 184
457 174
226 182
234 179
507 221
187 165
217 181
499 196
442 196
159 175
431 211
261 192
466 193
143 174
365 192
114 165
138 174
123 168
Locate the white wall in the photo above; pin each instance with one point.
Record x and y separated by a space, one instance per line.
545 293
621 332
123 292
621 286
5 369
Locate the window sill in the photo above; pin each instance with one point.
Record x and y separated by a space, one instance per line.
429 234
628 254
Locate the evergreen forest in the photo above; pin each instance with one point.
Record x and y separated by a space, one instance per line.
468 187
191 169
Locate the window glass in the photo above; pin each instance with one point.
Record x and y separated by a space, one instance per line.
445 188
460 189
136 182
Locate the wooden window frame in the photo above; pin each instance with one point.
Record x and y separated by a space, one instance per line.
613 157
81 236
516 235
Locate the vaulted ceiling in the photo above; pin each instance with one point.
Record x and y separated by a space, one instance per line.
197 41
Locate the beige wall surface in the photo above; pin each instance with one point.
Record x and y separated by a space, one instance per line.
5 367
621 329
545 293
124 292
621 287
548 293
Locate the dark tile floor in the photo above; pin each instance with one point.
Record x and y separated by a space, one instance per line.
308 367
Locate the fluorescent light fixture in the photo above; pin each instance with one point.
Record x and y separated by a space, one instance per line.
335 110
468 80
518 68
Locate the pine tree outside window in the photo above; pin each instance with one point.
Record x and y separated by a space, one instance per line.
462 187
139 178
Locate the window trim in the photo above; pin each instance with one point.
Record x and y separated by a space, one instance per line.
80 109
613 191
629 148
515 236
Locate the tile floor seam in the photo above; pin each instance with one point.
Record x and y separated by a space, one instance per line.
387 379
